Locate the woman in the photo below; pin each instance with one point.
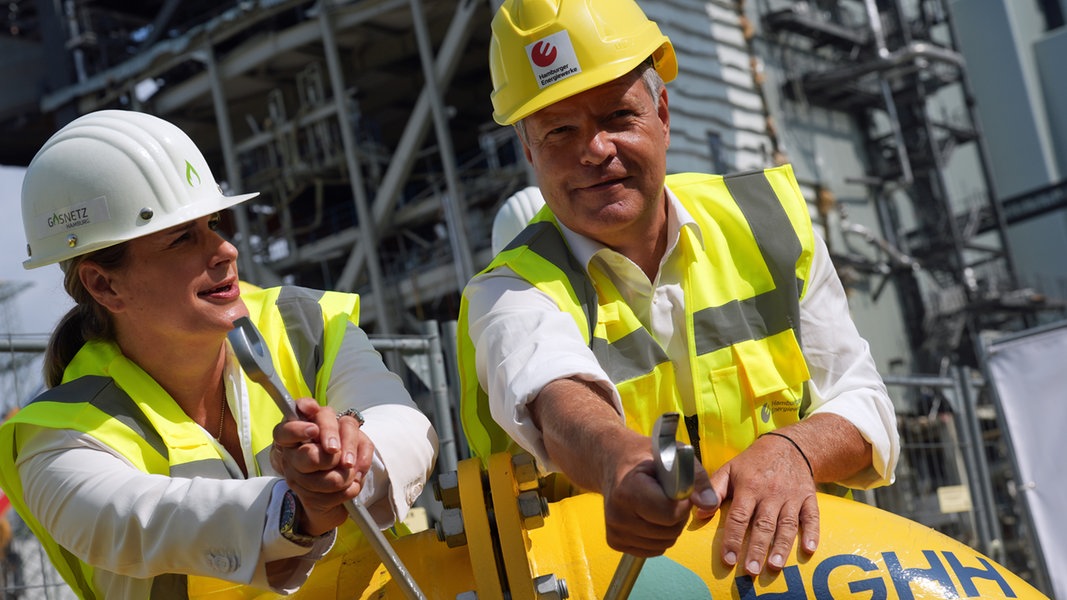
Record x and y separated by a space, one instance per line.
153 467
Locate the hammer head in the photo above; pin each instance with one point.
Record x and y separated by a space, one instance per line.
674 461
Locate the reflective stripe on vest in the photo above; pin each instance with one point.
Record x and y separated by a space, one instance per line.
304 330
755 336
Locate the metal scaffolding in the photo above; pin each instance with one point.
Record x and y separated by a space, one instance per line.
325 108
890 65
894 68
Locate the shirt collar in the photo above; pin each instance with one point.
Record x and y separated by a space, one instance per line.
584 248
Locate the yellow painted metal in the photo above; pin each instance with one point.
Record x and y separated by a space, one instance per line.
441 573
514 543
863 552
481 551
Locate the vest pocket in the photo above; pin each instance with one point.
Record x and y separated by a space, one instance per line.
760 389
774 375
772 364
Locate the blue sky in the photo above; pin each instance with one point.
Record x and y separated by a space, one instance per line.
36 309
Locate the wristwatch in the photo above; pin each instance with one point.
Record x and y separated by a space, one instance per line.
288 520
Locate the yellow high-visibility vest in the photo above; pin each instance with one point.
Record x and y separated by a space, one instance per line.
108 397
742 290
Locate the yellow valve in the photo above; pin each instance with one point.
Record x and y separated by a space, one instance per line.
480 547
511 533
863 552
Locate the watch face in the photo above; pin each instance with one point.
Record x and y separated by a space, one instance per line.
287 522
288 518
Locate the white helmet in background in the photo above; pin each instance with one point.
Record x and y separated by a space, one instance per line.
514 214
111 176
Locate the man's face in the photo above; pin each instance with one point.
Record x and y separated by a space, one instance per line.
600 159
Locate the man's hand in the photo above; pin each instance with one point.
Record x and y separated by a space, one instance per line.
639 517
587 439
773 498
323 460
773 490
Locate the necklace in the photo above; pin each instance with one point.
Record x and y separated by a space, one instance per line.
222 419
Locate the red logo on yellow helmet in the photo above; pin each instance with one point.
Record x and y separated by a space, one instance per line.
543 54
552 58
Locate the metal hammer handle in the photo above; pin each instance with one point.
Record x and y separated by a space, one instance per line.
675 473
255 359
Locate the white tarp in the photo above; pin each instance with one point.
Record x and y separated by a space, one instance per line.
1029 373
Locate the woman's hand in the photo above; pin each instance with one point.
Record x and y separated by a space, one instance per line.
324 460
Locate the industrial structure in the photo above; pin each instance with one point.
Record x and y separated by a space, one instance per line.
366 126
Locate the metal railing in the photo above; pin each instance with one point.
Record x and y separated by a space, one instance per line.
955 474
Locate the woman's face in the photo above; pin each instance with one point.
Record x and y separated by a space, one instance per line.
179 284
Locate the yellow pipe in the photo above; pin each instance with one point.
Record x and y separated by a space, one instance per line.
864 552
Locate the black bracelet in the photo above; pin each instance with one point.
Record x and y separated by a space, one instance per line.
795 445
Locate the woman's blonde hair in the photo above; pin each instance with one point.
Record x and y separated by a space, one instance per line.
87 320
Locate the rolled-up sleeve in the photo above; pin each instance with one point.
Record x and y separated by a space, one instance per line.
844 379
522 342
405 443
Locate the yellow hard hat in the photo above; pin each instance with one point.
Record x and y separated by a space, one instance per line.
543 51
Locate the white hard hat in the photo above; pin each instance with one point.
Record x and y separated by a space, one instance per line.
514 214
111 176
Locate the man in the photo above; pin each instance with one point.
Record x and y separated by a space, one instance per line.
633 294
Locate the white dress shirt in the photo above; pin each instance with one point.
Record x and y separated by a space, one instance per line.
523 341
144 525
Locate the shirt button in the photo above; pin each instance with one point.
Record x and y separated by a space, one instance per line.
223 561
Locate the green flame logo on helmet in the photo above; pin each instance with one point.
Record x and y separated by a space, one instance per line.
190 172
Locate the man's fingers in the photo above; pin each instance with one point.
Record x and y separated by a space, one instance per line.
784 536
643 538
809 524
719 483
639 518
762 527
773 530
704 499
736 526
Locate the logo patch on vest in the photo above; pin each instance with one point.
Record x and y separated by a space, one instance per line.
552 58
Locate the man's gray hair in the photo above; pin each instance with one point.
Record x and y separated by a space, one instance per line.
649 75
